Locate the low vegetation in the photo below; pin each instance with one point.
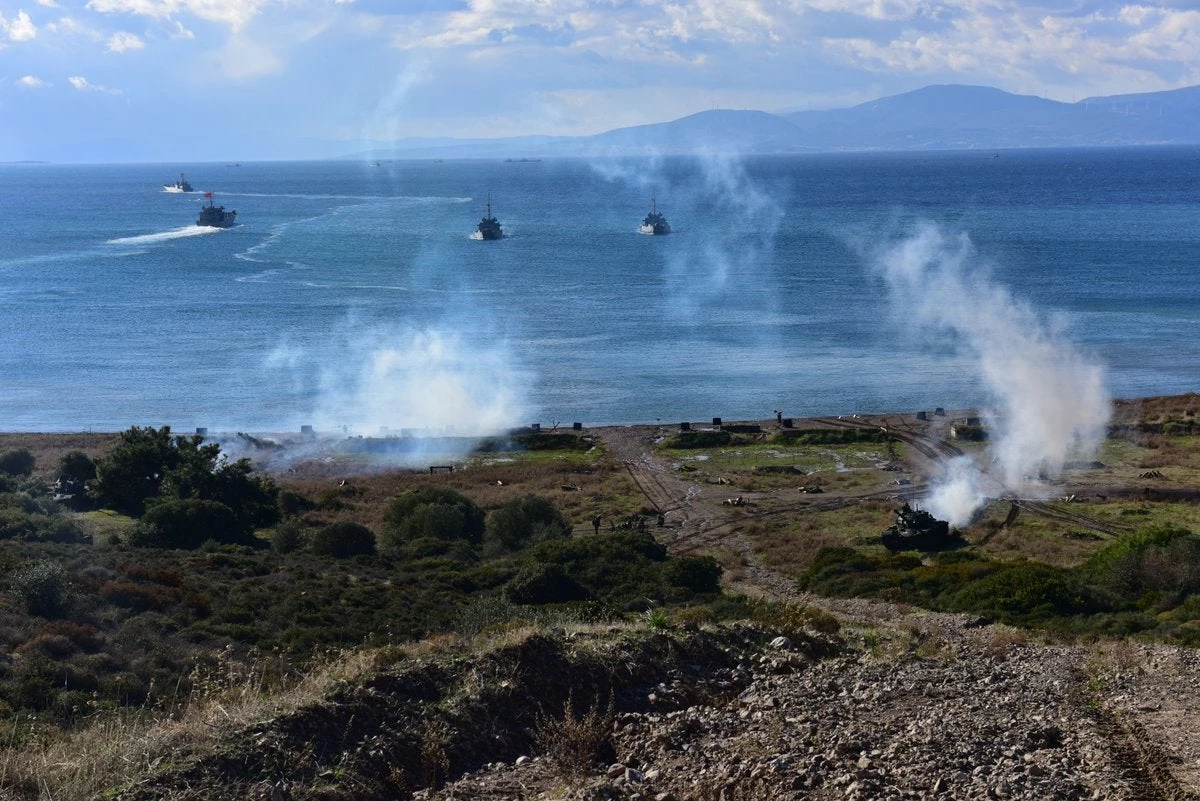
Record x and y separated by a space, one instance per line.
163 559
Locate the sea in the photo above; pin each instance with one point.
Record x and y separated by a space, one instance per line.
351 295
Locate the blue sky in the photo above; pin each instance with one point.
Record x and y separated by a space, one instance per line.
170 80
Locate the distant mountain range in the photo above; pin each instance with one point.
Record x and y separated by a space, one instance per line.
944 117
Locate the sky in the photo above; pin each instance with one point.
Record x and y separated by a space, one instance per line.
196 80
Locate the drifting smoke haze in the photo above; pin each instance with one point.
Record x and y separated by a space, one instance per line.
424 381
733 253
1048 400
725 225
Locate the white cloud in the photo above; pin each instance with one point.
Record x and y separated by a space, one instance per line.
30 82
121 41
234 13
19 29
181 32
84 85
70 27
1004 42
48 3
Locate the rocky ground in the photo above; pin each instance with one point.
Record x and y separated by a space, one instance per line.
923 706
898 704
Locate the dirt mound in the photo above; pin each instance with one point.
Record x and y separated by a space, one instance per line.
431 721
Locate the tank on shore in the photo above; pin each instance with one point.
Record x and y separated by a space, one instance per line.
917 530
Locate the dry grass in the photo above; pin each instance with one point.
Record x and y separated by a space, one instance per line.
580 488
116 745
48 449
575 742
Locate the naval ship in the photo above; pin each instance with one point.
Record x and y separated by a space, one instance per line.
215 216
181 185
489 226
654 222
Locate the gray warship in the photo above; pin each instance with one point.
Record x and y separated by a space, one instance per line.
181 185
654 223
489 226
215 216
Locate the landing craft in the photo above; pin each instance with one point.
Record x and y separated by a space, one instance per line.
215 216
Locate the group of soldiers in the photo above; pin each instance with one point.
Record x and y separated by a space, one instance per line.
628 523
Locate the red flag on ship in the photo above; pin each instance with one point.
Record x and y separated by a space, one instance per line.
208 194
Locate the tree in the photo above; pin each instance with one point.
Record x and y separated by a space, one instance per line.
76 466
17 462
149 466
343 539
134 469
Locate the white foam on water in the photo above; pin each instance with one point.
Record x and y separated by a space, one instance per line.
165 236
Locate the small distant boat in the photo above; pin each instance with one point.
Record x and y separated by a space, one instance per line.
654 223
181 185
215 216
489 226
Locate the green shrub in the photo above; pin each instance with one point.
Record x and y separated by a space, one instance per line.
524 520
187 524
544 584
700 574
1026 592
17 462
1163 560
342 540
688 440
830 436
432 512
42 587
618 567
293 503
287 537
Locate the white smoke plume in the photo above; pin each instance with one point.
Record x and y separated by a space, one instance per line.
1048 400
425 380
422 383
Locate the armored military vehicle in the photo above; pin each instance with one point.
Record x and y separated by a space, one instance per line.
917 530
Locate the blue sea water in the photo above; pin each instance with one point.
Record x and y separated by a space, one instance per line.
352 295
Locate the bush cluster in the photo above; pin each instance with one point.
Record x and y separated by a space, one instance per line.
1148 581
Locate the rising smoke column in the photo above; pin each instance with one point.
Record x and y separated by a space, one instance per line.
1047 399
